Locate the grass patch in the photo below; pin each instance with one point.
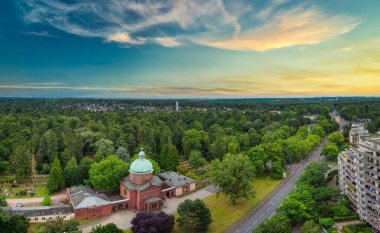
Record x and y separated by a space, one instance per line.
32 227
87 221
40 192
224 213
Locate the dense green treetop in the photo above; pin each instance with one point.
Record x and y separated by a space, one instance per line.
106 174
234 175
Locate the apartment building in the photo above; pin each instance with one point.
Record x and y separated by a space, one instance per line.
357 133
359 179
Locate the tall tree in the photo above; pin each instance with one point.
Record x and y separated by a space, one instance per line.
107 174
84 167
48 148
191 141
55 181
194 216
104 148
234 175
21 161
123 154
277 224
294 209
72 173
196 159
331 151
169 157
12 224
314 175
3 201
259 158
336 138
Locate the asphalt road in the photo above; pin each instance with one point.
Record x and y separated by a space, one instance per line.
268 206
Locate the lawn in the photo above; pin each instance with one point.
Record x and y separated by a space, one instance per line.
40 192
224 213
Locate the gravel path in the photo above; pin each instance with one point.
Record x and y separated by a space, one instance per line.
56 199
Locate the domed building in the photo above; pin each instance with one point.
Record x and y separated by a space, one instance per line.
146 191
141 190
141 187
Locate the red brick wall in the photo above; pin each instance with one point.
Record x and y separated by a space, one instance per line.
140 178
131 195
68 197
152 192
93 212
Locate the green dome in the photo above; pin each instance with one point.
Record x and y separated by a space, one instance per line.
141 165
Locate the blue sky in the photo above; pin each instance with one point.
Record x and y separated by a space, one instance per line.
181 49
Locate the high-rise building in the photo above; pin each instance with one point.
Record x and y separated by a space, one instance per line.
357 133
176 106
359 179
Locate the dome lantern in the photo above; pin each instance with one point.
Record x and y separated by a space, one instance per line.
141 165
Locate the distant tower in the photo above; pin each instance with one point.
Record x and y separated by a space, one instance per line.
176 106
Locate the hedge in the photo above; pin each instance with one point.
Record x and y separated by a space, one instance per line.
346 228
346 218
46 201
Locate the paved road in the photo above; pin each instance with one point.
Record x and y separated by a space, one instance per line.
268 206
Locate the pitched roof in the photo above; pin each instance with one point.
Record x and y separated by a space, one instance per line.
156 181
152 199
39 210
84 197
174 179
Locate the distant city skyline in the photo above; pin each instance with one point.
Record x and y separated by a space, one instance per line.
189 49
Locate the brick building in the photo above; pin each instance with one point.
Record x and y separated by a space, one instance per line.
42 213
147 191
88 204
141 190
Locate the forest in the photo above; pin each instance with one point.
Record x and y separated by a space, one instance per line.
200 132
60 143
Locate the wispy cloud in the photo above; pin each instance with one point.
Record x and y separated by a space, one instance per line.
269 9
172 23
45 84
292 27
152 91
41 33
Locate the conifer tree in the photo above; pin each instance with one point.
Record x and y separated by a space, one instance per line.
72 173
169 158
55 181
21 161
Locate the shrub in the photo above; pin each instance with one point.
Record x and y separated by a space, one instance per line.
151 222
327 223
46 201
192 175
356 228
346 218
109 228
182 169
341 210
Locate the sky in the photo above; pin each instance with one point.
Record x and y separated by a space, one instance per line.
189 48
